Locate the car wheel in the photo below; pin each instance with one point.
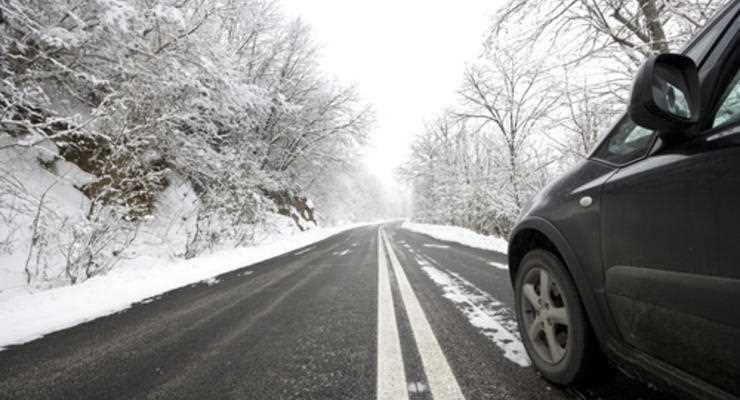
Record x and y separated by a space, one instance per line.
552 321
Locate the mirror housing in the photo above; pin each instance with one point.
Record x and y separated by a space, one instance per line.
665 94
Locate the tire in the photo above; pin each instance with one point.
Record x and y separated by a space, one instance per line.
553 325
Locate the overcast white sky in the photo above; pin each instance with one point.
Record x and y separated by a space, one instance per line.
406 58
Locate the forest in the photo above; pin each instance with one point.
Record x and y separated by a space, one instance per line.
190 121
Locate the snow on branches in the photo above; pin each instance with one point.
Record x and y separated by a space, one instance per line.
551 79
225 94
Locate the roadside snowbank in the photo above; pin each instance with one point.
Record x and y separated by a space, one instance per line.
459 235
28 316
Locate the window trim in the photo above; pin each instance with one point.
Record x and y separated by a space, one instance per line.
720 82
604 141
706 29
723 131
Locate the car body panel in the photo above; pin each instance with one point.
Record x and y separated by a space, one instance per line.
671 257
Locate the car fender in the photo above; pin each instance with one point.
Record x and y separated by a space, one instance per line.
589 297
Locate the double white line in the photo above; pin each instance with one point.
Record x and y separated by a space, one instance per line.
391 384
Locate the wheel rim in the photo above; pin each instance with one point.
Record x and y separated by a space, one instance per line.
545 315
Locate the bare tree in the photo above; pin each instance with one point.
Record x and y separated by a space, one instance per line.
509 94
583 114
609 38
642 26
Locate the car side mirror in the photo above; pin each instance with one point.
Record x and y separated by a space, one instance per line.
665 94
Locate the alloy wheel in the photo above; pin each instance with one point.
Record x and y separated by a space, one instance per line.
545 312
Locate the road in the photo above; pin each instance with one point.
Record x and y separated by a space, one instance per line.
360 315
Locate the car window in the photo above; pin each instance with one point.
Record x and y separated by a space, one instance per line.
627 142
729 109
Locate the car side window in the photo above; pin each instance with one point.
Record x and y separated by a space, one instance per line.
627 142
729 109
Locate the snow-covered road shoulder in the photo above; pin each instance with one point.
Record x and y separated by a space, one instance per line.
28 316
460 235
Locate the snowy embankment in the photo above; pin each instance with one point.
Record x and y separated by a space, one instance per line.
28 316
460 235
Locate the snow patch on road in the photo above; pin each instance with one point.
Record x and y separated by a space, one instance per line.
298 253
211 281
460 235
151 299
417 387
436 246
498 265
482 310
28 316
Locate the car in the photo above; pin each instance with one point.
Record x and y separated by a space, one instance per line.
633 257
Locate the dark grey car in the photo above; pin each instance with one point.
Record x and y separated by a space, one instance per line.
635 254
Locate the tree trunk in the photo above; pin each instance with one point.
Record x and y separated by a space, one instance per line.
658 42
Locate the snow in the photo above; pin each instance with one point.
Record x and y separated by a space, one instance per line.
459 235
117 14
417 387
482 310
436 246
60 37
28 316
166 232
306 250
170 15
30 174
498 265
23 184
211 281
341 253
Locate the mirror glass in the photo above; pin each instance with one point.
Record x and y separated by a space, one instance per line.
668 96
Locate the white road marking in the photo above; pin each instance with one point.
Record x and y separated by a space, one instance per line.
341 253
391 377
306 250
442 382
482 310
247 272
437 246
498 265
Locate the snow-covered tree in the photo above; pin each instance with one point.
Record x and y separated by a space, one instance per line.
224 94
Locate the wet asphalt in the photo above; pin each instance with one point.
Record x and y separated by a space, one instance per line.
299 326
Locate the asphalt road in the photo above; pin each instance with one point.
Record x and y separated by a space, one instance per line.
360 315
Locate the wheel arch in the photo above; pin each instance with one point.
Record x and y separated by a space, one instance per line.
525 240
536 232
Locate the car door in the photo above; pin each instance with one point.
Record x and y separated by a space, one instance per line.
671 231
